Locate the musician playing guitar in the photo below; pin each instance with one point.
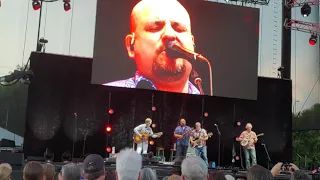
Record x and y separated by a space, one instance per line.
198 140
182 133
249 149
143 132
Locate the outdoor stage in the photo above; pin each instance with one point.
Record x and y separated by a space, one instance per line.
66 113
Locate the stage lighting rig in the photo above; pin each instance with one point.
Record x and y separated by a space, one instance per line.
307 27
260 2
36 4
305 10
313 39
302 26
301 3
66 5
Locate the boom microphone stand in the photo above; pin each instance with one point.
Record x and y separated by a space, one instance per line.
75 133
267 153
219 133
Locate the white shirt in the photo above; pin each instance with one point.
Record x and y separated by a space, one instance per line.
142 128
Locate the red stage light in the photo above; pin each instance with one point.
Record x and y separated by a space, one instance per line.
151 142
238 123
153 108
36 4
111 111
313 40
206 114
108 129
153 125
66 5
108 149
237 158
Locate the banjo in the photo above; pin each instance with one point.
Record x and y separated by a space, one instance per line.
245 142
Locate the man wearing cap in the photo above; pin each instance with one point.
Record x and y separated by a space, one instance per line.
144 129
94 168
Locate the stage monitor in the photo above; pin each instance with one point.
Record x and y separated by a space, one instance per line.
195 47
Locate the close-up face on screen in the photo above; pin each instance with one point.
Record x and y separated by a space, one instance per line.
193 47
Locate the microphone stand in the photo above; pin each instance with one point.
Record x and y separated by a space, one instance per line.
267 153
201 58
197 81
219 139
75 133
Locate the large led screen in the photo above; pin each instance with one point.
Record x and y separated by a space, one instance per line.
188 46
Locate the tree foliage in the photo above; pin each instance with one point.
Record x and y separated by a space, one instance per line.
306 137
13 105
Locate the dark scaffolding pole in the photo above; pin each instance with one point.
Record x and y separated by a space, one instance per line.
286 43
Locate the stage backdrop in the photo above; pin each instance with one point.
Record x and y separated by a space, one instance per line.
225 34
63 104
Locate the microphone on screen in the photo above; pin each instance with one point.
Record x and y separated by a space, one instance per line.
176 47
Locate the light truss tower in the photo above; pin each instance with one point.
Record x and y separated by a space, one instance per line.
260 2
307 27
299 3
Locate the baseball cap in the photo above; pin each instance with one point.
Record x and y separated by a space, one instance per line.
93 163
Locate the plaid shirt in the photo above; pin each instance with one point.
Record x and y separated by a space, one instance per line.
139 81
202 133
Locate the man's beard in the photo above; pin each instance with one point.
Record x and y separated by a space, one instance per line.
168 70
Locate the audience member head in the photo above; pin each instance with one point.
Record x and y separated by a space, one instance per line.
5 171
94 168
217 175
147 174
70 171
174 177
128 165
229 177
300 175
194 168
49 171
259 172
33 171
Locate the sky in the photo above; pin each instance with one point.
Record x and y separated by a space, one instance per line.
72 33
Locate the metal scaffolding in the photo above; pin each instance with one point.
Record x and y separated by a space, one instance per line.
299 3
307 27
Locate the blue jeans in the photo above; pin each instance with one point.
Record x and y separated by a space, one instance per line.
250 153
202 152
182 151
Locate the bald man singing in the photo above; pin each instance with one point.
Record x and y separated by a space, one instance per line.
249 150
154 24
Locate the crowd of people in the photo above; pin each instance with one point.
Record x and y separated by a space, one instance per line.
129 167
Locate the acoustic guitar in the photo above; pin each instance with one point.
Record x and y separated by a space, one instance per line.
185 133
144 137
195 142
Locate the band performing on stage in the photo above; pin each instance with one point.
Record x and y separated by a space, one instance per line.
195 138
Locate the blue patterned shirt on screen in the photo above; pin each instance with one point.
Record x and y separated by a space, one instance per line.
181 130
139 81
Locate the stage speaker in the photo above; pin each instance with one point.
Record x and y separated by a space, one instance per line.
35 158
15 159
77 160
111 160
